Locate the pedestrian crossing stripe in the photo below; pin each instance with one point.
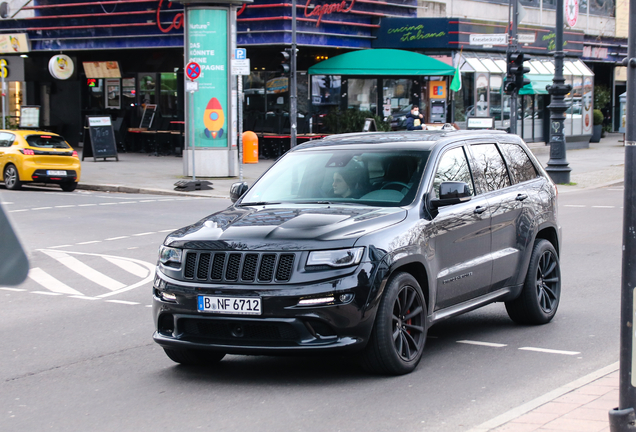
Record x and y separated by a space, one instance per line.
138 268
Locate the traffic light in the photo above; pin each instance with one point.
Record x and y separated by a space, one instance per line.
285 67
517 70
509 85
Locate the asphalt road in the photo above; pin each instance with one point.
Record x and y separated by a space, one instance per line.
77 353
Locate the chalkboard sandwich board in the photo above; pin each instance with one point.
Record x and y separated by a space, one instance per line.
99 142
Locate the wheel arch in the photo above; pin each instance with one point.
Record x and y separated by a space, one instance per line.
549 233
416 269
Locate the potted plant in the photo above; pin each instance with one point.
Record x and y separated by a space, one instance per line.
598 126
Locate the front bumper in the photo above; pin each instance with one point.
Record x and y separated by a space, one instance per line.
285 327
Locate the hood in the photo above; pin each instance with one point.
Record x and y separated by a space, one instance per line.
284 228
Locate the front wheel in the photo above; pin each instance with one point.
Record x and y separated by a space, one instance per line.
399 332
12 178
193 357
541 291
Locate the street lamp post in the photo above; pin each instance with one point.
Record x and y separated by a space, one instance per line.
293 101
558 166
623 418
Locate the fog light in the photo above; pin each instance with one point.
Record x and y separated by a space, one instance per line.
168 296
316 301
346 298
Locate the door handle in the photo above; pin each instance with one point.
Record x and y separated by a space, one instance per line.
479 209
521 197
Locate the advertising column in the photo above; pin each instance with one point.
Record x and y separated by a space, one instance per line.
209 112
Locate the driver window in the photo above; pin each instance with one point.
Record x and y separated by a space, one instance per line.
453 166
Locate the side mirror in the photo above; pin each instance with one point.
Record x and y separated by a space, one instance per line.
237 190
452 193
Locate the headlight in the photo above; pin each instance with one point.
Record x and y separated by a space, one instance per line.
168 254
336 258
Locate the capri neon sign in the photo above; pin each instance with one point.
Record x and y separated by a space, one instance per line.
327 9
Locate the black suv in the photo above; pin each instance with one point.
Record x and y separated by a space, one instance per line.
359 243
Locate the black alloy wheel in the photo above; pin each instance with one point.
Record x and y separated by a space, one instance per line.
69 186
541 292
12 178
399 333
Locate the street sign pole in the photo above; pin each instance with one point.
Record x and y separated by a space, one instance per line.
193 147
513 47
293 102
240 124
623 418
558 166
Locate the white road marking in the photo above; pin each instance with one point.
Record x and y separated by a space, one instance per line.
65 206
89 242
129 266
83 297
45 293
127 202
108 204
5 202
166 199
143 234
603 206
49 282
12 289
86 205
18 211
488 344
117 238
122 302
550 351
168 230
83 270
574 205
59 246
148 305
41 208
147 200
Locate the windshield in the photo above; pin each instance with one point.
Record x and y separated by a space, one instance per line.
377 178
47 141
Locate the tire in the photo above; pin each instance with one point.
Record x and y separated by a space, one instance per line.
12 178
399 331
192 357
69 187
539 298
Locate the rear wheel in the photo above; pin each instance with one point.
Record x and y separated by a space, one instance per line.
194 357
69 187
399 332
12 178
541 291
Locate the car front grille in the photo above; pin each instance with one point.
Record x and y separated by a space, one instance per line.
244 267
237 330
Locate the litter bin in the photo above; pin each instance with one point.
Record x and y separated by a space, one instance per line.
250 147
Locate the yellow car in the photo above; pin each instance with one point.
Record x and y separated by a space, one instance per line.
37 157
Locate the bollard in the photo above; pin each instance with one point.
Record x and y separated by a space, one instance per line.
250 147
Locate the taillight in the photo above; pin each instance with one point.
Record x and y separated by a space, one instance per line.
75 154
27 152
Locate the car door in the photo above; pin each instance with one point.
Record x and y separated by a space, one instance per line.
506 208
460 236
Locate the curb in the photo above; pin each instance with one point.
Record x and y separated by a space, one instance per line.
149 191
542 400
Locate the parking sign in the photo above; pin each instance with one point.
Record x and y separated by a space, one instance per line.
240 54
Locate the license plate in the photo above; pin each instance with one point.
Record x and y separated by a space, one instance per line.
230 305
56 173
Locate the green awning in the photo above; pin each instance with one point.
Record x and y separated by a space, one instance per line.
537 84
374 62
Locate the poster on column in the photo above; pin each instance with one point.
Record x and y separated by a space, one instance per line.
207 45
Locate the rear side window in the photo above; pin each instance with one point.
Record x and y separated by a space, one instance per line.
521 168
453 166
47 141
491 166
6 139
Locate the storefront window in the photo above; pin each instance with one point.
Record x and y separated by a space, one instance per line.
481 95
465 100
362 94
325 90
496 108
147 84
168 94
397 94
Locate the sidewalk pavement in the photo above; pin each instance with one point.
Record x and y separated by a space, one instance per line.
601 164
581 406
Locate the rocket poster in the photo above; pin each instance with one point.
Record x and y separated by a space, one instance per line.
207 46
